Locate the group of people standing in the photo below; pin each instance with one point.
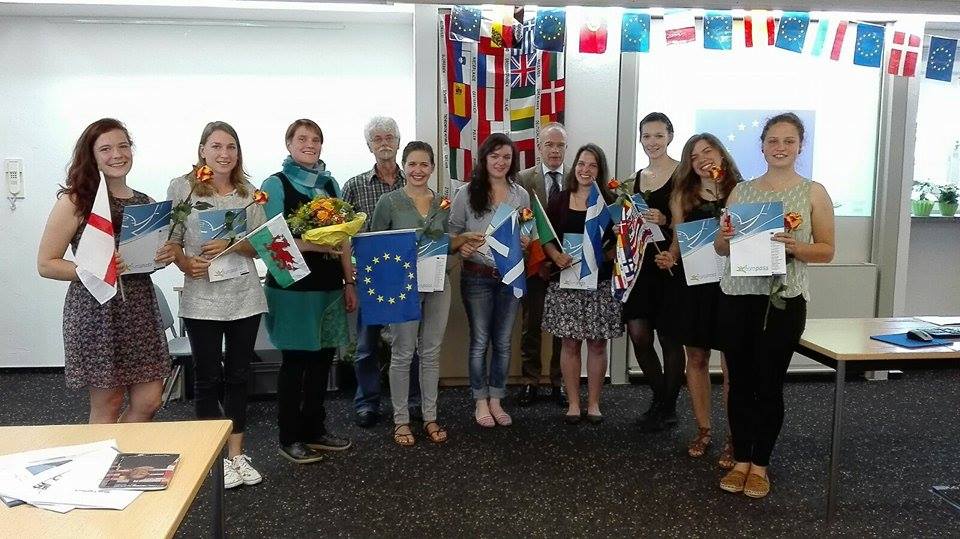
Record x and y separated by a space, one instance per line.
118 351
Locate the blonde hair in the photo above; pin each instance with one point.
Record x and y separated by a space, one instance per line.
238 177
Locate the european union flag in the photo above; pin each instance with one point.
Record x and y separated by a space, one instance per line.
739 130
465 24
943 52
551 30
793 31
717 31
387 276
869 48
635 32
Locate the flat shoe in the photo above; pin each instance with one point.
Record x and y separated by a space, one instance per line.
594 419
572 419
485 421
503 419
756 486
733 481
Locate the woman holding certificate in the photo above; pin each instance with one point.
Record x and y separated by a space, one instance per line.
578 312
763 317
417 206
490 304
221 316
703 180
115 349
643 311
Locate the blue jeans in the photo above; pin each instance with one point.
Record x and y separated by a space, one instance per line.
367 368
491 310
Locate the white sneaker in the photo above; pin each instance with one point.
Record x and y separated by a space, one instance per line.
249 476
230 476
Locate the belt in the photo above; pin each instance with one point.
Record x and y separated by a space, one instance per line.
480 269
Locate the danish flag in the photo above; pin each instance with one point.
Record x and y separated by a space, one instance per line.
96 266
904 54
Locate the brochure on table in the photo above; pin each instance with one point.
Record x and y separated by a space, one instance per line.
432 262
63 478
570 277
215 224
752 251
143 230
701 263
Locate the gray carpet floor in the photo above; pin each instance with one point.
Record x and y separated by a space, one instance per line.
542 478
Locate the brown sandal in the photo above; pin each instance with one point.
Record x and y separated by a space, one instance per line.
437 435
698 446
403 439
726 461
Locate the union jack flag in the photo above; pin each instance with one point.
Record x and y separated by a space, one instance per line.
523 70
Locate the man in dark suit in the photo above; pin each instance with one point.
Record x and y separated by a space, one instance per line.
544 180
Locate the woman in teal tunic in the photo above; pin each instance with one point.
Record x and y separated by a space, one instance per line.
307 320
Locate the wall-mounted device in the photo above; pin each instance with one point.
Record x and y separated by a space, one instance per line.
13 179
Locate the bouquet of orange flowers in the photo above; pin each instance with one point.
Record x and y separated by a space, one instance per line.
326 221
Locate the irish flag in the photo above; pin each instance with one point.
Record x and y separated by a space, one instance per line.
274 242
541 233
96 267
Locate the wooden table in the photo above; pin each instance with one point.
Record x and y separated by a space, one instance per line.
845 343
152 514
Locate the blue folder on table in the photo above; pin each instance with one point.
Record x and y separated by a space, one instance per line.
901 339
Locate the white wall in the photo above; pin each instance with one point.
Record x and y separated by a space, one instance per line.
165 82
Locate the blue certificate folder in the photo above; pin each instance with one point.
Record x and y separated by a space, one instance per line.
214 222
901 339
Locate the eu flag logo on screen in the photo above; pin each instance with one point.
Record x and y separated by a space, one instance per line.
717 31
793 31
551 29
943 52
869 49
739 131
387 277
635 32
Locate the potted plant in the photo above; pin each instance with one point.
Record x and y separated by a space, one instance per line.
948 200
922 204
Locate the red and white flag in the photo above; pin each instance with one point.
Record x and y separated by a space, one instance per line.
838 40
96 266
759 29
680 27
593 35
904 54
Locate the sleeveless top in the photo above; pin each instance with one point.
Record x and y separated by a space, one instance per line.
796 199
326 272
658 199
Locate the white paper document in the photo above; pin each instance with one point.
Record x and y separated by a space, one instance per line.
701 263
144 229
61 479
753 253
432 263
570 277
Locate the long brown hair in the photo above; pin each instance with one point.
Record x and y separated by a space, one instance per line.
238 177
603 172
83 176
686 181
479 187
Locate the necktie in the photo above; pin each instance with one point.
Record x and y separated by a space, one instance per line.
554 185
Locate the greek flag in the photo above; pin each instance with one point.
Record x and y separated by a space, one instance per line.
597 219
504 242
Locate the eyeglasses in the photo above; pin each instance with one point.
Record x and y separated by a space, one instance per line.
389 139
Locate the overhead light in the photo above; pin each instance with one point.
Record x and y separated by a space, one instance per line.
383 7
